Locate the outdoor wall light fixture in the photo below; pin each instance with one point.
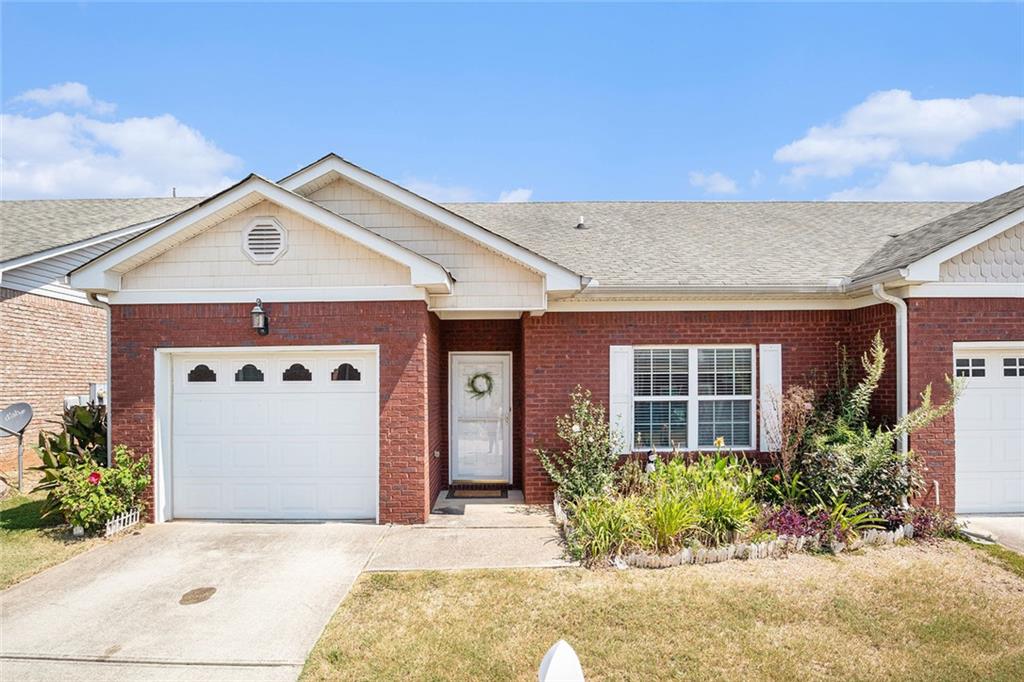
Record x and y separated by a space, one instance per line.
260 321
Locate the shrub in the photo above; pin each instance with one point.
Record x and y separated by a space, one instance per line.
668 517
88 495
631 479
843 453
788 520
929 523
587 466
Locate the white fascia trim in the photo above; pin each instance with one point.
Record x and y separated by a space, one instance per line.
927 268
99 276
988 345
710 304
558 277
962 290
269 295
84 243
479 314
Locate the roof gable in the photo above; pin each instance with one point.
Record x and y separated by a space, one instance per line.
104 273
933 237
331 167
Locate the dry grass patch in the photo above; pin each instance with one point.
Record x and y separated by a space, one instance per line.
908 613
29 544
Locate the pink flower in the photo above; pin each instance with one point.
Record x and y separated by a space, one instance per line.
94 478
776 478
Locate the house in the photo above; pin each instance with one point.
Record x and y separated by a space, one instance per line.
53 343
332 345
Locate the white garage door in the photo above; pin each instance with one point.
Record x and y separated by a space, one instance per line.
284 435
990 431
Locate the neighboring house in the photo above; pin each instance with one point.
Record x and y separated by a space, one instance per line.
53 343
412 346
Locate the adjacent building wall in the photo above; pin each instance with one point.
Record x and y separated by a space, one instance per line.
934 325
401 328
49 348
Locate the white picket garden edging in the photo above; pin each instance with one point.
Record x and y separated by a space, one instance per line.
122 522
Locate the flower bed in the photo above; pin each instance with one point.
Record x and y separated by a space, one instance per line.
837 484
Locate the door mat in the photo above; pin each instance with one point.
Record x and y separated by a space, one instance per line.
475 494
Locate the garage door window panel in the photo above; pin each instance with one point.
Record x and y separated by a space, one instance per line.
202 374
249 372
297 372
1013 367
345 372
970 367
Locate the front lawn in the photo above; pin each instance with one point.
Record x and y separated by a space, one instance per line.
914 612
29 544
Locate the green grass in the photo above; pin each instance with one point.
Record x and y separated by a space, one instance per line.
915 612
29 544
1007 558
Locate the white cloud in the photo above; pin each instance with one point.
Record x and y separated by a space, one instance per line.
62 155
968 181
892 126
514 195
440 193
70 94
713 183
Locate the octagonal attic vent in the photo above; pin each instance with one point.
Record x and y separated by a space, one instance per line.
264 240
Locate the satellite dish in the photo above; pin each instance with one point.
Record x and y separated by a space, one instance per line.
14 419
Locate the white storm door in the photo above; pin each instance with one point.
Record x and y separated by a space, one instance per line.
990 431
480 421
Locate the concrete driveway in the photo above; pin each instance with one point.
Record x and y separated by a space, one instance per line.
121 610
1006 529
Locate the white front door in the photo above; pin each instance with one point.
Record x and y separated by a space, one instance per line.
480 417
990 430
275 435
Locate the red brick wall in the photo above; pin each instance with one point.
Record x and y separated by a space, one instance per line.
48 349
934 324
484 336
437 407
863 324
561 350
401 328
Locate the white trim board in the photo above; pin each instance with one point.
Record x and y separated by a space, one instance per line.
711 304
163 400
558 278
269 295
103 274
988 345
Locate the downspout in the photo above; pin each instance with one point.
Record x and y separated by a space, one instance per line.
94 300
902 403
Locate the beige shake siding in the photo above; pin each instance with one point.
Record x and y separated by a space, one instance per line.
484 279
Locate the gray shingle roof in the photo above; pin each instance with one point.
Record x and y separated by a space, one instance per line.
757 244
916 244
28 227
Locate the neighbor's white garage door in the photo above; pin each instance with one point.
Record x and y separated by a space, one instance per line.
990 431
275 435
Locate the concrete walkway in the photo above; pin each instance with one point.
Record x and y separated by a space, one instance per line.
473 533
1006 529
117 612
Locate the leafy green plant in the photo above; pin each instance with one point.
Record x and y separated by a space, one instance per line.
722 512
631 479
845 453
783 489
845 521
587 465
669 516
88 495
604 526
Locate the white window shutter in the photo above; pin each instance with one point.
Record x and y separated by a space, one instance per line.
620 394
770 395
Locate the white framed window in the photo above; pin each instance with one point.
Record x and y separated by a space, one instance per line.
687 397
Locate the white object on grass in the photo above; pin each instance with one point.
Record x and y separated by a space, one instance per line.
560 664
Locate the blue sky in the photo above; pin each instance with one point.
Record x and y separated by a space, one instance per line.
546 102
